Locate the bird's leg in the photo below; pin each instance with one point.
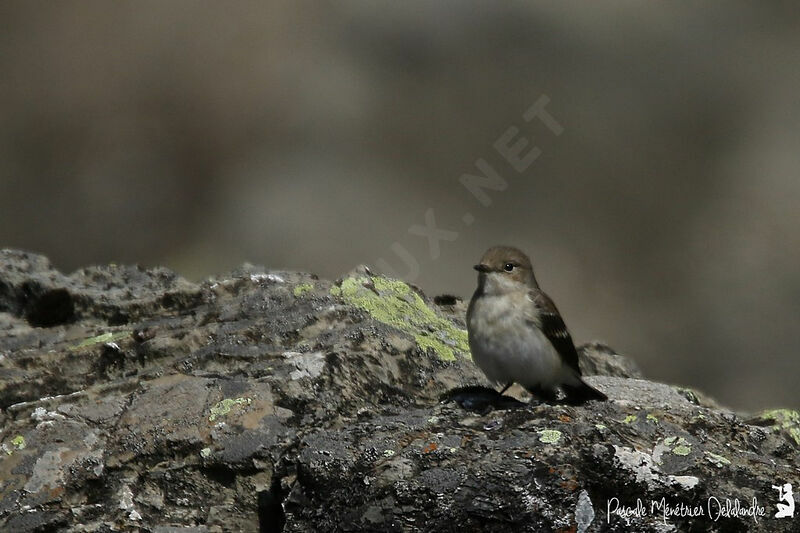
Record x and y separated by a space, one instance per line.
508 385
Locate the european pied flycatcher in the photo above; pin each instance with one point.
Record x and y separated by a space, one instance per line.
516 334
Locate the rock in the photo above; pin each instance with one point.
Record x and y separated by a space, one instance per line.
597 359
276 401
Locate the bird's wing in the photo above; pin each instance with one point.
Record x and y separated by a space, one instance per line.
552 325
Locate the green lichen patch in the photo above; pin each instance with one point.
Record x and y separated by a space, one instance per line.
717 460
787 420
104 338
652 418
678 445
224 407
630 419
682 449
395 304
301 289
17 443
549 436
689 394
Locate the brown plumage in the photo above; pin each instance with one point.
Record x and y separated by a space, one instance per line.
516 333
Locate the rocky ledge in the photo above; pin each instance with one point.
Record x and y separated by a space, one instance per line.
132 399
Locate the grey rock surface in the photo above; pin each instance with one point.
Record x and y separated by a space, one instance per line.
132 399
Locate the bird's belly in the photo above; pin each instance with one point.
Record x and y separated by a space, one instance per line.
514 351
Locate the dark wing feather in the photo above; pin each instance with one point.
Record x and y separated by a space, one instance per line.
552 325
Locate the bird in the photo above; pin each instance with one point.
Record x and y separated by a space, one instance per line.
517 335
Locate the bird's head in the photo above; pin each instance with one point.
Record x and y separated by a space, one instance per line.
505 269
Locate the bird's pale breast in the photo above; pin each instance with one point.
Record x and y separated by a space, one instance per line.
507 347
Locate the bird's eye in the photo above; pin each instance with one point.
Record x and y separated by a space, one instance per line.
508 267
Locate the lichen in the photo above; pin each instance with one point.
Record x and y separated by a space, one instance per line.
652 418
549 436
685 482
689 394
104 338
787 420
224 407
682 446
682 449
302 289
18 442
717 460
395 304
630 419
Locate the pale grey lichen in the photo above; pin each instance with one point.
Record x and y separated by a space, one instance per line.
224 407
584 512
549 436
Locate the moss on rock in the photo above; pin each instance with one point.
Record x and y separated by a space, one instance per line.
224 407
395 304
549 436
787 420
301 289
104 338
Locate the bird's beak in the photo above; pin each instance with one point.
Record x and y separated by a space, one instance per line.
482 268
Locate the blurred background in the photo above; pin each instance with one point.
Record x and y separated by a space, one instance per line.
663 220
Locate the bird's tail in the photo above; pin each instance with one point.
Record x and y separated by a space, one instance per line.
581 393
